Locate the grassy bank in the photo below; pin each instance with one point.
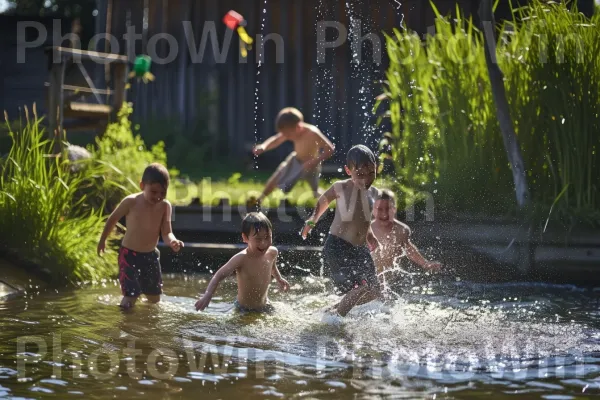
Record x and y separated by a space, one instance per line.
446 138
45 216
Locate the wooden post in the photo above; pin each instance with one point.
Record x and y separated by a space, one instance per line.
56 103
120 82
526 256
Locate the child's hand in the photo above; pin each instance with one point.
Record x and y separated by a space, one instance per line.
202 303
372 243
101 247
283 285
307 227
433 265
176 245
258 150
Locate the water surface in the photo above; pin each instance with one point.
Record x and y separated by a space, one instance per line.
434 339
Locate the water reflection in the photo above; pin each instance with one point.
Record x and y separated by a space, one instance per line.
449 339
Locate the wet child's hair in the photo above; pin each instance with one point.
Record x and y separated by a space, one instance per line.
360 155
256 221
288 118
388 195
156 173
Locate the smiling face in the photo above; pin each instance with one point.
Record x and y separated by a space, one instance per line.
362 176
384 210
258 242
154 193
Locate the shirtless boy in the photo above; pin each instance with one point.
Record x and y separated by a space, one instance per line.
254 267
311 148
346 254
394 237
147 217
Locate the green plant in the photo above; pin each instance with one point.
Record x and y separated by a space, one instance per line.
42 219
128 155
446 139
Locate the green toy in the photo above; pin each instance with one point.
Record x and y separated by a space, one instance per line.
141 69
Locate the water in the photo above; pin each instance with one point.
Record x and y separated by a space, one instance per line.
437 340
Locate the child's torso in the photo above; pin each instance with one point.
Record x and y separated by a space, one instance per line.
143 226
253 279
389 246
352 212
306 145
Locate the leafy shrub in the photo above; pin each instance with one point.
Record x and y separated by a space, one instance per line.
128 156
42 219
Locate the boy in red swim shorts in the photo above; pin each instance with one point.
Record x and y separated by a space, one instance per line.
148 216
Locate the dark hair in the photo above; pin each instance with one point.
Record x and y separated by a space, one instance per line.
256 220
359 156
288 118
156 173
387 194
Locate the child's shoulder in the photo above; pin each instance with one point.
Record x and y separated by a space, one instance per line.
402 228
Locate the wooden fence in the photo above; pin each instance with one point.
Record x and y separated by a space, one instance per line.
232 100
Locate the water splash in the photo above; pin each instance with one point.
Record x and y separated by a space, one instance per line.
256 89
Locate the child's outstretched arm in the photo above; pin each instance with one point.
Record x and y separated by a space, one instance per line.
322 204
118 213
223 272
168 236
269 144
414 254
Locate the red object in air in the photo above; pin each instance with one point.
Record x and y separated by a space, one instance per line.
233 19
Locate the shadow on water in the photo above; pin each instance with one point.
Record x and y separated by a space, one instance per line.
444 338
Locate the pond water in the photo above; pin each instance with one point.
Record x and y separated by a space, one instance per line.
434 340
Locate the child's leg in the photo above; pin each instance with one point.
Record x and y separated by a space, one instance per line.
284 175
127 302
357 296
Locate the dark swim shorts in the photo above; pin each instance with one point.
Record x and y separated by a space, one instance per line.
268 308
139 272
349 266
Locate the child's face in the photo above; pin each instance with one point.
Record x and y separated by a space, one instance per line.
259 241
154 193
362 176
384 210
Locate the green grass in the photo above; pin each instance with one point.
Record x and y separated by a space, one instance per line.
238 189
448 141
45 217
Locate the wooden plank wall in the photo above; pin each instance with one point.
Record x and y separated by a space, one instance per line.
336 95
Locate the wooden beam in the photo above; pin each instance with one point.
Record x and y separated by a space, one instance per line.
72 88
87 55
76 109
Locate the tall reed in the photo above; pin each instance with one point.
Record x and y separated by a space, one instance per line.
446 137
43 215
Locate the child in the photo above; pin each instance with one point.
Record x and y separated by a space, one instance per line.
254 267
148 215
346 255
311 148
394 237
